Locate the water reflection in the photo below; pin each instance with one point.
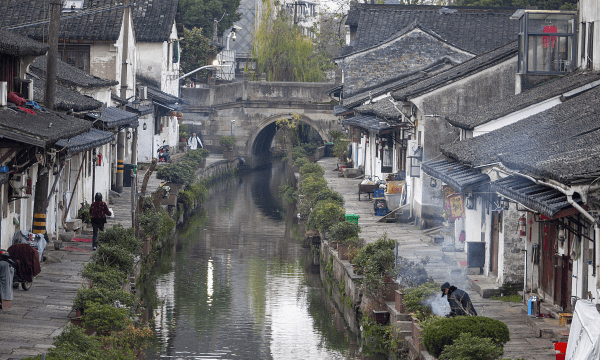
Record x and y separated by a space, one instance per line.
238 288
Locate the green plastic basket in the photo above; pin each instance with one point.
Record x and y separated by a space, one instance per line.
352 218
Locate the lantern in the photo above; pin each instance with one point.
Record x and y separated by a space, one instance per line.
99 159
29 186
433 182
469 202
462 237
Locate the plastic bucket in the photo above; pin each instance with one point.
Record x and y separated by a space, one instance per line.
561 350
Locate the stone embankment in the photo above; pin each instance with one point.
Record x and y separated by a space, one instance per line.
38 315
414 244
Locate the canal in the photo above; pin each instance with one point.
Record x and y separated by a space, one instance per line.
240 286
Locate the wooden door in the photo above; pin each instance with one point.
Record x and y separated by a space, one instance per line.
496 223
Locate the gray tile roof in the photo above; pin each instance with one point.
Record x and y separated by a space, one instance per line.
368 122
476 30
141 111
86 141
112 117
11 43
401 81
513 103
543 199
458 72
100 20
64 98
153 19
70 75
561 143
383 108
164 98
42 130
459 176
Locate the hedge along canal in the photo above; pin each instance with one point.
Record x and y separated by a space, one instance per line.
239 285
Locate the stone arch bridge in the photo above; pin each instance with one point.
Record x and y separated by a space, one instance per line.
249 110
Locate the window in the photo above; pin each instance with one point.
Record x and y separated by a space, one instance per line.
78 56
546 41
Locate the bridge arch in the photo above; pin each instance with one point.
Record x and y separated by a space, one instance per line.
259 141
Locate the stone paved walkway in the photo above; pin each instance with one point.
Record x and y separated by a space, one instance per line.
414 244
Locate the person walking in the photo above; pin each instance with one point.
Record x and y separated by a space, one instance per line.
460 303
194 142
98 212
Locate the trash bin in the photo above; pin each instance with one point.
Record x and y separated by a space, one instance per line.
393 200
329 150
353 218
561 350
127 174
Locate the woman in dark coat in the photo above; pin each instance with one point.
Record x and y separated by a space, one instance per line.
98 212
460 303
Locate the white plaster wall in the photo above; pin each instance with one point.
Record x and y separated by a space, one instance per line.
145 139
589 11
100 94
156 63
170 135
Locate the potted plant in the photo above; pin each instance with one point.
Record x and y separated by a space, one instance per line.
324 215
341 233
228 142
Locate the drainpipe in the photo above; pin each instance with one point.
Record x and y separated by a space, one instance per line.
120 160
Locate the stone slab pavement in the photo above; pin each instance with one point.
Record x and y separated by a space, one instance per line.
415 245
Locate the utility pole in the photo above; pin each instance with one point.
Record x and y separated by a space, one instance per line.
55 8
124 87
296 12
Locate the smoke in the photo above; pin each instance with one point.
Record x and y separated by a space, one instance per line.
439 305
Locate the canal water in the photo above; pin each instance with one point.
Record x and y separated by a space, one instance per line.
240 286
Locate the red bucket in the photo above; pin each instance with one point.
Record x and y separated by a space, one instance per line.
561 350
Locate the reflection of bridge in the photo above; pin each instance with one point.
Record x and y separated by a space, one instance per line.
256 106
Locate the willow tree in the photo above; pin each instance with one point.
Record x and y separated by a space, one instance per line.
283 53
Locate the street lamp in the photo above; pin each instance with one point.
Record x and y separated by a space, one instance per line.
215 64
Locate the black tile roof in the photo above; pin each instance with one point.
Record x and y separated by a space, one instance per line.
11 43
85 141
513 103
112 117
64 98
100 20
543 199
166 99
118 99
43 129
368 122
476 30
458 72
340 110
141 111
459 176
383 108
401 81
561 143
70 75
153 20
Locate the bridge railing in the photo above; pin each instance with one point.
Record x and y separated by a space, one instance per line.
215 95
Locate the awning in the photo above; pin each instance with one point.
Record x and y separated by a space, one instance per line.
368 122
112 117
85 141
459 176
543 199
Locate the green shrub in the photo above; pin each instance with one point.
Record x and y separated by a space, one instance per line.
227 141
310 148
156 223
312 185
179 173
115 256
370 249
122 237
324 215
84 213
298 152
104 276
105 318
299 162
344 231
330 195
312 168
102 296
196 155
412 274
469 347
415 296
445 331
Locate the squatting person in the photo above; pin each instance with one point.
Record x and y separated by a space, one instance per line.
460 303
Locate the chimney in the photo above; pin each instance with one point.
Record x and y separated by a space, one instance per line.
28 89
3 93
143 92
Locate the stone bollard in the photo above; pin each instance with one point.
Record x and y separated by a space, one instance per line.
263 77
400 301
